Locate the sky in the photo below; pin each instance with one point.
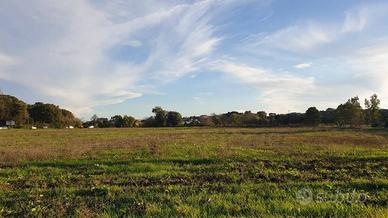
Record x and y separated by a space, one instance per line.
110 57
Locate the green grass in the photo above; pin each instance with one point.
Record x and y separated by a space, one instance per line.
194 172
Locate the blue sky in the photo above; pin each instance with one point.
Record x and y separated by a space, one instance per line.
196 57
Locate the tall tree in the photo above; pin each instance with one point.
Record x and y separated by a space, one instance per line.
51 115
102 122
160 116
217 120
350 113
14 109
94 118
372 110
173 119
68 119
328 116
312 117
250 119
117 121
46 114
128 121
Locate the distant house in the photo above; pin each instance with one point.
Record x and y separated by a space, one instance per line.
10 123
7 123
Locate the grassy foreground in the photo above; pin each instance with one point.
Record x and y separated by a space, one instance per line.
194 172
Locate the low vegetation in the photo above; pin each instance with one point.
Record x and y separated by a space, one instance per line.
194 172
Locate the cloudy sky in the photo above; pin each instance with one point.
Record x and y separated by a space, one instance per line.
194 56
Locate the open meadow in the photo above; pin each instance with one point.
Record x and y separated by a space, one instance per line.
194 172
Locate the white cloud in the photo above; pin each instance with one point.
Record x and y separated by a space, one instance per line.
359 18
344 66
297 38
199 99
283 92
265 78
355 21
6 60
134 43
370 64
303 65
183 49
279 91
63 49
62 52
202 97
306 36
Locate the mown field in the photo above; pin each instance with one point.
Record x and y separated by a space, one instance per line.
295 172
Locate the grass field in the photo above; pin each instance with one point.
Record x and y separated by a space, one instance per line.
194 172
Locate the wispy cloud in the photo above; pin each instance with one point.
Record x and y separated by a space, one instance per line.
6 60
308 35
303 65
85 54
64 48
199 100
279 90
370 63
298 37
360 17
264 77
360 60
133 43
355 20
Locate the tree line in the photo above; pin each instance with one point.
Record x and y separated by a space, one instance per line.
348 114
162 118
38 114
116 121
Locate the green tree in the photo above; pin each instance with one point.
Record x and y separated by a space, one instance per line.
94 118
14 109
372 110
102 122
160 116
328 116
217 120
117 121
149 122
250 119
205 120
68 119
128 121
173 119
234 119
312 117
231 119
46 114
350 113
